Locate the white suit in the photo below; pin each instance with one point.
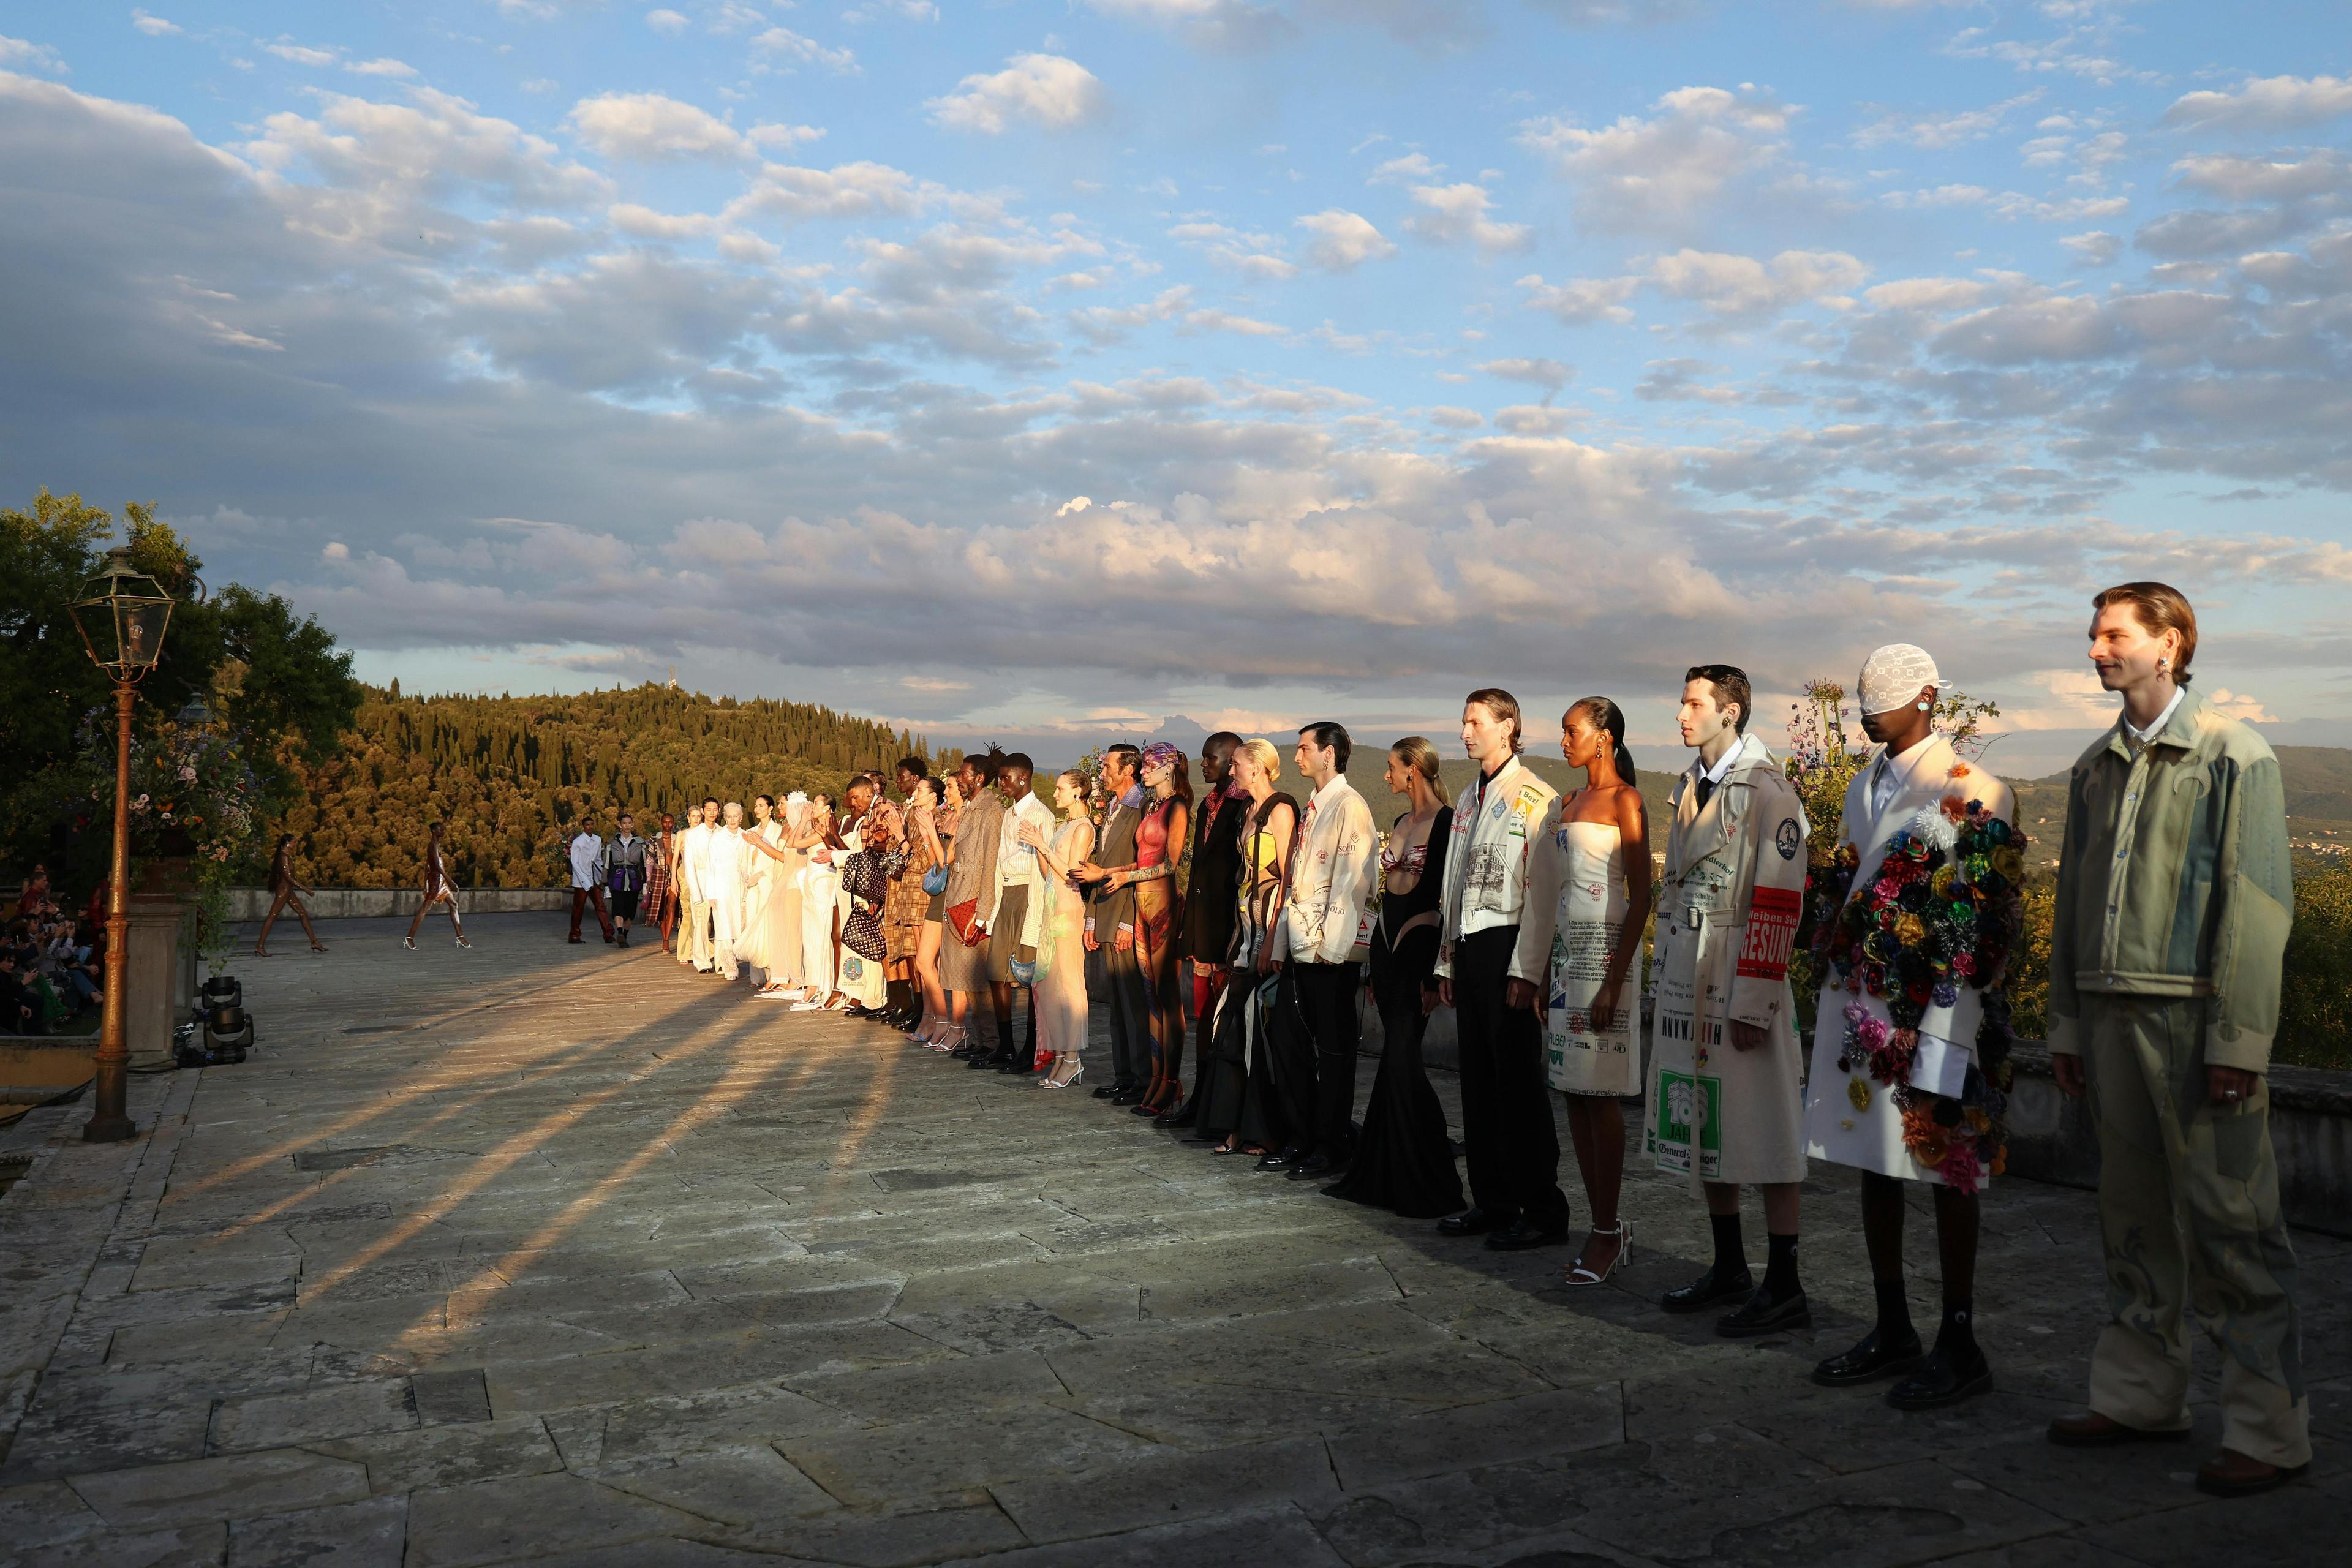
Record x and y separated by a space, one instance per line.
718 877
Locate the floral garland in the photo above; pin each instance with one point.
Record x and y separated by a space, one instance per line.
1945 910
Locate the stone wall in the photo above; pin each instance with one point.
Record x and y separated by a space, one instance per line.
379 903
2050 1138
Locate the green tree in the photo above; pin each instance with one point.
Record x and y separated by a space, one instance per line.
275 678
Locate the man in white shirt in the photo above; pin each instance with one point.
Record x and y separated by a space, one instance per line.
1316 941
1509 1141
1012 932
694 868
588 878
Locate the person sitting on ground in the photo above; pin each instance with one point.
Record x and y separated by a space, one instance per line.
20 1011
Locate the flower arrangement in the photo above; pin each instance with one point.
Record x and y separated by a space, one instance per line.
1943 910
194 795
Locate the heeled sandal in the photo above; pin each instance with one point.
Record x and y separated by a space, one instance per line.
1580 1278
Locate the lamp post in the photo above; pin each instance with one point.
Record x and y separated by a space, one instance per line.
122 615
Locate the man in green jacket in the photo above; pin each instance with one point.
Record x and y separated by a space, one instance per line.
2174 898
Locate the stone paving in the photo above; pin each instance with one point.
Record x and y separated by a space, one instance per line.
557 1255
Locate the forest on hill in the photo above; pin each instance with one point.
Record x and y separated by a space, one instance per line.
511 775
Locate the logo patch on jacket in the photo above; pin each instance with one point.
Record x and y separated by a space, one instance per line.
1788 840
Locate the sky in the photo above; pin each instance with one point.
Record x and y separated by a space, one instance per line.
1081 368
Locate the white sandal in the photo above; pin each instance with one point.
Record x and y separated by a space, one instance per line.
1580 1278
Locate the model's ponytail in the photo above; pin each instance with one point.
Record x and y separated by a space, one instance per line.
1608 717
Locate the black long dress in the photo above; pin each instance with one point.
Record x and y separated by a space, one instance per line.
1403 1160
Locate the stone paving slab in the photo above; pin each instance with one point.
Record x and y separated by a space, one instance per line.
537 1254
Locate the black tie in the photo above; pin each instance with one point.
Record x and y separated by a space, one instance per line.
1706 789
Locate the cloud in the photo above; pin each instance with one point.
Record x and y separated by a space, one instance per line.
667 21
1935 132
302 54
1548 374
1582 300
2266 103
155 27
1343 240
647 126
1742 286
1218 26
397 70
15 52
1658 172
1048 91
791 195
782 43
1250 253
2096 249
1452 214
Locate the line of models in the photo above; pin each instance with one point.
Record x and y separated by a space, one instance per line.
1524 911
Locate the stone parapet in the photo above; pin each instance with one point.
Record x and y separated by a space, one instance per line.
382 903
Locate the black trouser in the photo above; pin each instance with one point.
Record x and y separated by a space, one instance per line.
1510 1142
1326 1000
1131 1044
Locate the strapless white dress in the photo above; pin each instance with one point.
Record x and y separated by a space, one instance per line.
1590 917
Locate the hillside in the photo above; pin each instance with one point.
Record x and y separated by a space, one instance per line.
509 774
2318 780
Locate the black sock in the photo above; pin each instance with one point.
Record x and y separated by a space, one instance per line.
1893 1313
1730 1257
896 994
1958 1333
1781 1268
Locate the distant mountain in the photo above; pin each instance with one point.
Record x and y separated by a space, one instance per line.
2318 780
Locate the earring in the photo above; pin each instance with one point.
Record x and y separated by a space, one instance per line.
2162 664
1923 708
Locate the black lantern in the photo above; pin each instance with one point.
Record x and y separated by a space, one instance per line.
121 615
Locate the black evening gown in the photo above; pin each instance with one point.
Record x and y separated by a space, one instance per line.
1403 1159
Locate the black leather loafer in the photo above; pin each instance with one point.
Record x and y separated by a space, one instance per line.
1522 1234
1943 1379
1870 1361
1469 1222
1760 1315
1707 1290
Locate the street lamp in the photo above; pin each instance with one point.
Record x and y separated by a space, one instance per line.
122 615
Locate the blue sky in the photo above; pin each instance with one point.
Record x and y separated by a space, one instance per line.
1026 368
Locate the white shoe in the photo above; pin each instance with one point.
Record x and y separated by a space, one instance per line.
805 1006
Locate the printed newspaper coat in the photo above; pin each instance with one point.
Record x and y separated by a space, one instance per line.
1728 912
1863 1127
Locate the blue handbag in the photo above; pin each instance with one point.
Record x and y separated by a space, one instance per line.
935 880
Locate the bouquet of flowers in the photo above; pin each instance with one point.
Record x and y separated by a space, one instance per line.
1944 909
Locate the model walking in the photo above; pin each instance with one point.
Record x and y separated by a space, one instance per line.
438 889
285 892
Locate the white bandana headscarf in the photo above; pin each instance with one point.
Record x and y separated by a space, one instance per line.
1892 677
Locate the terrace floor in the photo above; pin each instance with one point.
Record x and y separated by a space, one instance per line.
528 1255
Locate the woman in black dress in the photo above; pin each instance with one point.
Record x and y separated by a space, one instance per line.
1403 1160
